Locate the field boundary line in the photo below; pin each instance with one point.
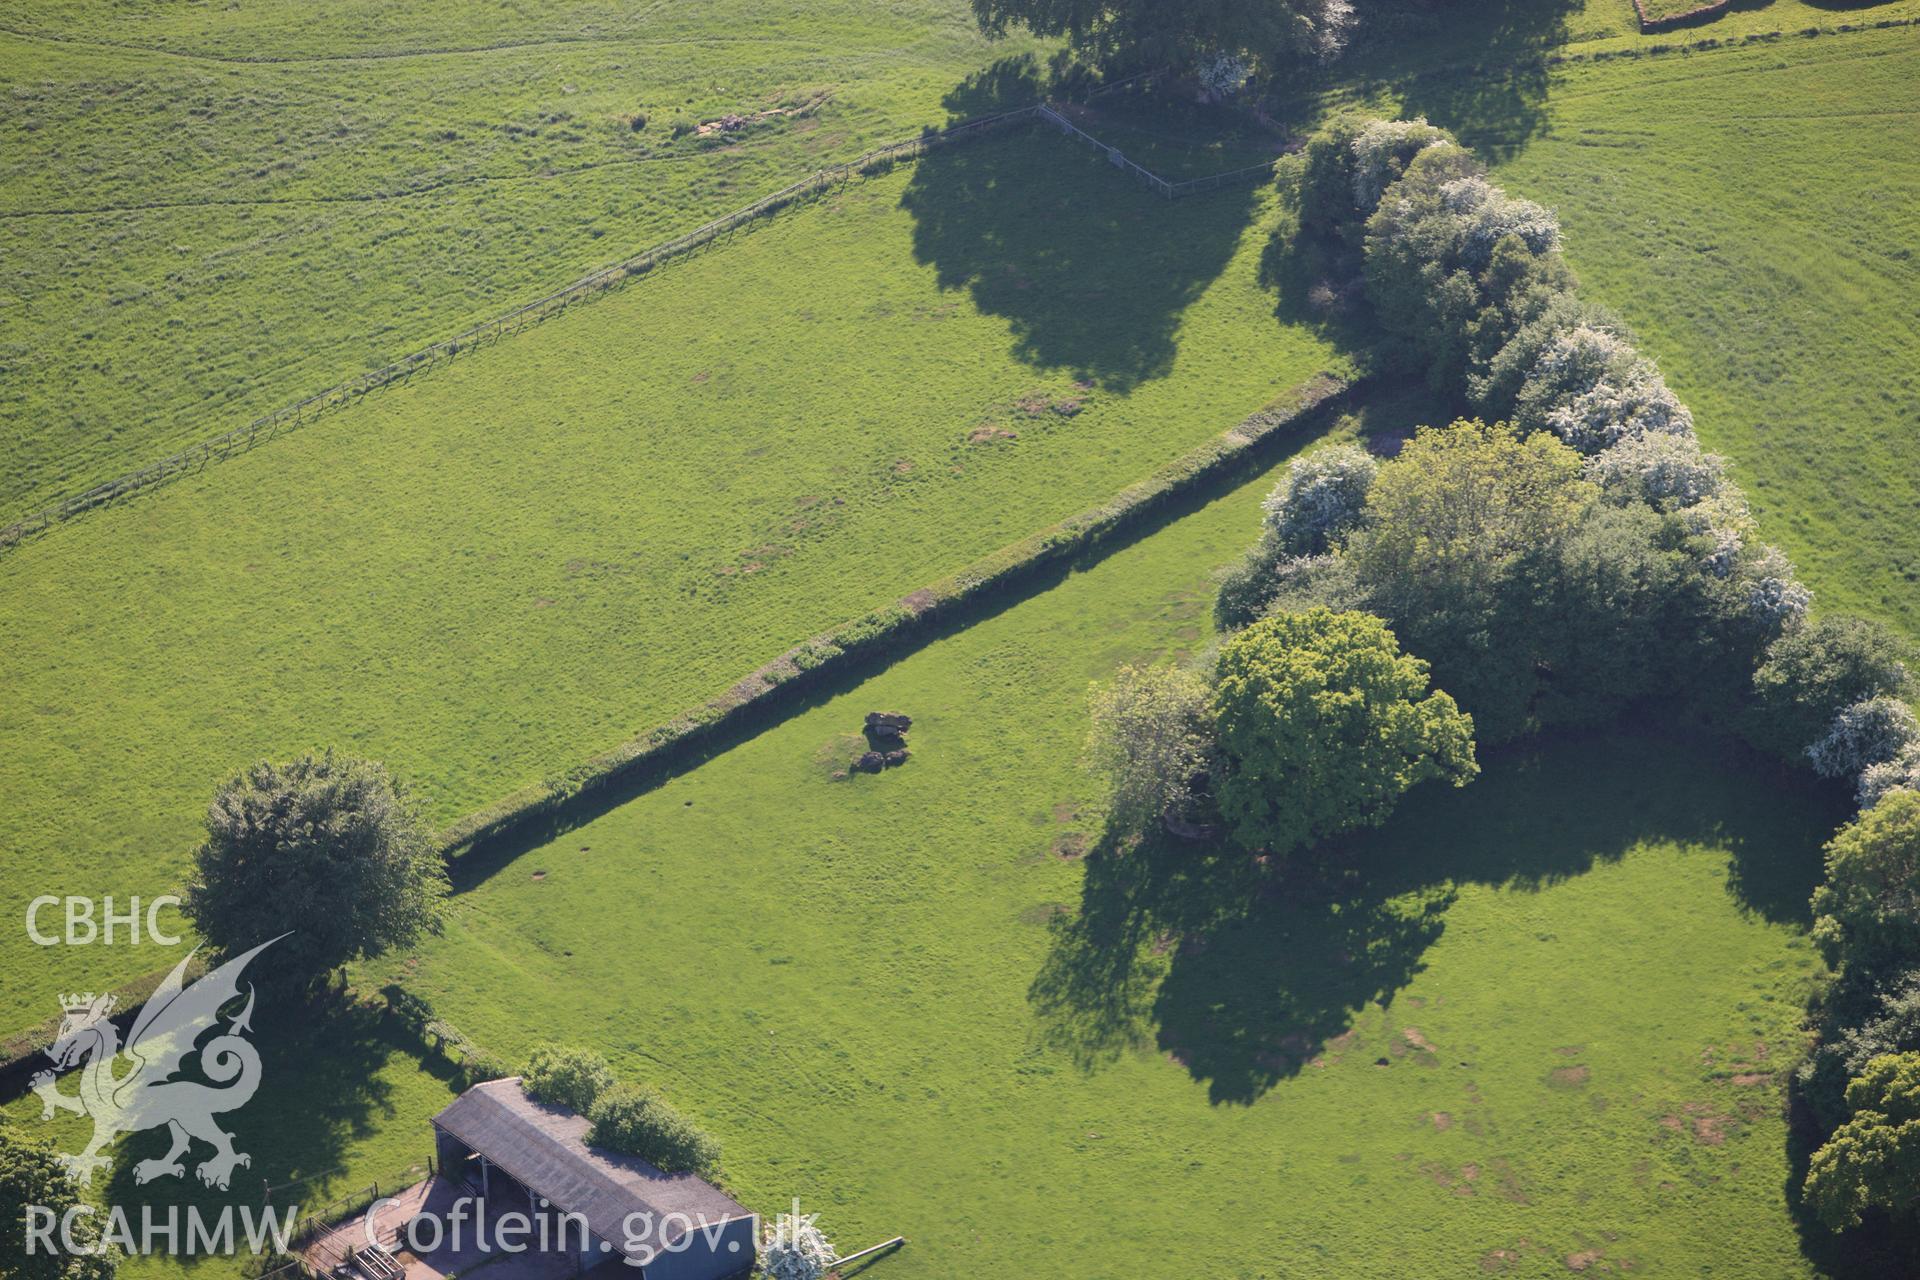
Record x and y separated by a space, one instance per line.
844 655
841 653
266 426
1160 186
196 457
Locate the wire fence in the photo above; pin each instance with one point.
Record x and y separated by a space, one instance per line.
267 426
1160 186
316 1246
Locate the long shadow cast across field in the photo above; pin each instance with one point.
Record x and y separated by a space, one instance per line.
320 1092
1245 972
1090 272
815 688
1480 70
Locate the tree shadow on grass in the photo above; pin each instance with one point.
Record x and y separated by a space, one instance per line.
1481 70
1245 972
320 1092
1090 272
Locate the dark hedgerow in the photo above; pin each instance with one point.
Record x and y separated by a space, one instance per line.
639 1122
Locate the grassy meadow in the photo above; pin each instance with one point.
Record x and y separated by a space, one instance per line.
1538 1020
209 211
1532 1027
533 554
1531 1023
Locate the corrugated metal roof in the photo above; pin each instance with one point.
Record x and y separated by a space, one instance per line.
545 1149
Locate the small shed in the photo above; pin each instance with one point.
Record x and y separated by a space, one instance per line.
525 1156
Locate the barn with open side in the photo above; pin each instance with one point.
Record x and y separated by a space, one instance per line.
516 1153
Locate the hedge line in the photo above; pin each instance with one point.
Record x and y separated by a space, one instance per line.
889 628
1726 42
23 1048
830 654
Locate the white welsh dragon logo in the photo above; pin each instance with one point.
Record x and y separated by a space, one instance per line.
143 1097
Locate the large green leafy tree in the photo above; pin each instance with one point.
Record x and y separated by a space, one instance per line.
1814 672
1323 723
1867 914
327 849
31 1175
1460 532
1873 1160
1144 33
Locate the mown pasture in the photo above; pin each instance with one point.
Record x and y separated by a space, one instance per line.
208 213
534 553
913 998
1538 1019
1543 1017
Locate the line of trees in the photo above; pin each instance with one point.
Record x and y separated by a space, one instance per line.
1563 551
1210 39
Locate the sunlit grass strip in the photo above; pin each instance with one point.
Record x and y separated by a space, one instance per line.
877 161
891 627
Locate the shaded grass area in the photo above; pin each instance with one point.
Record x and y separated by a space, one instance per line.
1530 1020
1175 138
344 1102
513 562
206 213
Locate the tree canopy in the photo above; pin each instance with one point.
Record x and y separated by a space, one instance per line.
1873 1160
1459 532
1868 911
31 1174
1323 723
1150 736
567 1076
639 1122
327 849
1145 33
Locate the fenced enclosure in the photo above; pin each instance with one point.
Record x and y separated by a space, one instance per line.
878 160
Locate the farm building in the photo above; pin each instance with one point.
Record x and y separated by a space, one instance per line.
522 1155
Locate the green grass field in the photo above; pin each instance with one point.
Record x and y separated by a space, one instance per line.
1539 1019
904 999
1538 1026
206 213
531 555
